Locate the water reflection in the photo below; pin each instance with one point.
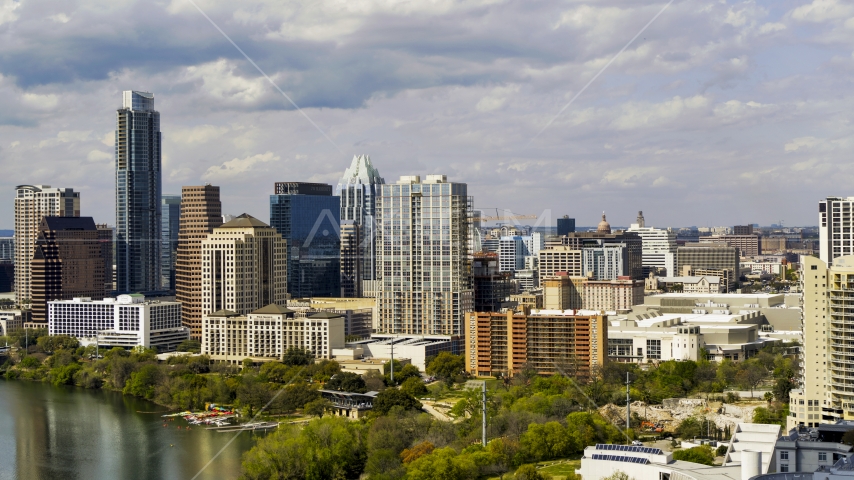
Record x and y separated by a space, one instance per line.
70 433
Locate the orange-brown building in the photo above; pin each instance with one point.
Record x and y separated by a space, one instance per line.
201 212
569 342
67 263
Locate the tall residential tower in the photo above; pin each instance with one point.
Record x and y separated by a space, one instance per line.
424 272
32 203
138 190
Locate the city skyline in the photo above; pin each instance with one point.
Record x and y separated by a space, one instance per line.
707 110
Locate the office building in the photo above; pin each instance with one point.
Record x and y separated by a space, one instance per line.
11 321
127 321
201 212
568 342
747 245
67 263
658 248
423 258
560 259
352 257
244 267
619 294
308 218
7 277
491 287
528 300
138 190
768 244
359 313
562 292
513 250
835 228
612 254
742 230
358 190
32 203
267 333
708 259
7 249
106 235
565 225
170 215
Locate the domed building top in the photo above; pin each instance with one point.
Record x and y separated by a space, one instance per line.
604 226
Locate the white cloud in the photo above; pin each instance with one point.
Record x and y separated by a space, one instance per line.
7 11
644 114
41 102
823 10
496 99
219 80
99 156
200 134
771 27
237 166
60 18
799 143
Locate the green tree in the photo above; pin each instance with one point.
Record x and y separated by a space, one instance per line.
414 386
30 363
750 375
317 407
346 382
190 345
446 366
392 397
64 375
298 356
143 382
529 472
691 427
702 454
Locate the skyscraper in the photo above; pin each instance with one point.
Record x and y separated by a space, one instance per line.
138 194
422 256
67 263
32 203
308 217
359 189
201 212
351 259
244 267
170 214
835 223
565 225
659 248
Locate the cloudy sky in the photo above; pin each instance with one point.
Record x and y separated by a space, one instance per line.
721 112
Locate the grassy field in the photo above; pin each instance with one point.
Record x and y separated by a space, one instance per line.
558 469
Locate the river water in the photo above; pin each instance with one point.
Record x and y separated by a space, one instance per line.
69 433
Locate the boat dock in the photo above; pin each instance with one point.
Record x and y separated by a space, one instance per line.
264 426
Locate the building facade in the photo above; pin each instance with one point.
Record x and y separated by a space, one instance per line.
658 249
67 263
706 259
513 250
127 321
359 189
308 217
836 220
201 212
560 259
32 203
170 215
631 258
565 225
619 294
244 267
562 292
747 245
423 258
352 256
491 287
550 341
138 190
106 236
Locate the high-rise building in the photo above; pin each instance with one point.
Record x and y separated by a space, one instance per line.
106 239
351 259
32 203
565 225
658 248
560 259
562 292
702 259
67 263
7 249
836 223
201 212
308 218
423 258
244 267
491 287
742 230
550 341
170 215
630 254
747 245
138 191
358 190
513 250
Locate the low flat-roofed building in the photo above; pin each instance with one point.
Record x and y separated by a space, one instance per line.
359 315
690 284
417 348
781 311
11 321
809 449
648 463
126 321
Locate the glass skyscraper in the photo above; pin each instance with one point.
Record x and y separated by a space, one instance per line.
138 189
308 216
359 189
170 223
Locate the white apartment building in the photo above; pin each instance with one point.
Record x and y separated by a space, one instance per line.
32 202
606 262
835 228
244 267
659 247
618 295
514 250
267 333
423 256
127 321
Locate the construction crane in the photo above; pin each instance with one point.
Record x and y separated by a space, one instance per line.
509 217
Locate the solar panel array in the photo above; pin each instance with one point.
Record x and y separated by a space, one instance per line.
629 448
620 458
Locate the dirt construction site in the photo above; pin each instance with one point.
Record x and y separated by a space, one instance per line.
672 411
